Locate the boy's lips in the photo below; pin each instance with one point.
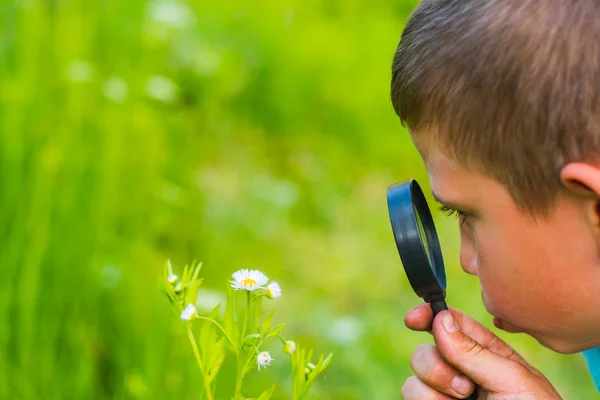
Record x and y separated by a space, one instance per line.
498 322
506 326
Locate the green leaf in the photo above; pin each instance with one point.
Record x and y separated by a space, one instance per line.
191 292
167 286
215 359
275 331
251 340
208 335
169 268
196 272
229 325
266 325
321 365
314 373
215 312
247 360
327 361
257 311
185 277
298 377
266 395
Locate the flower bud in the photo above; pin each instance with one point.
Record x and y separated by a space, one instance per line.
273 290
189 313
289 347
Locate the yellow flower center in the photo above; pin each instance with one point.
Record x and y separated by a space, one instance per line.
249 282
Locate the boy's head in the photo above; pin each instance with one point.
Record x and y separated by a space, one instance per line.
502 100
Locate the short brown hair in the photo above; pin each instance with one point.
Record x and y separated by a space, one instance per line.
512 87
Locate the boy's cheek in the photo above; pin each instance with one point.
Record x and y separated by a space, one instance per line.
504 287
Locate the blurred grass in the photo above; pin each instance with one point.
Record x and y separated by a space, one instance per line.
245 134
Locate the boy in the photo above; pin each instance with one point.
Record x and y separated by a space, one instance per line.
502 100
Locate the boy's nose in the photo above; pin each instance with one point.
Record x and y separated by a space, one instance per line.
468 259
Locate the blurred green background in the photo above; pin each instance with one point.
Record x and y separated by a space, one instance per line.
255 134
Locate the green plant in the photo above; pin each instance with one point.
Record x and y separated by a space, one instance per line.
243 339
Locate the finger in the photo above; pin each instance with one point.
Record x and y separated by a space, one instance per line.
485 337
419 318
414 389
434 371
489 369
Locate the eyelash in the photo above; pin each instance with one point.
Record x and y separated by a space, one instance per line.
450 211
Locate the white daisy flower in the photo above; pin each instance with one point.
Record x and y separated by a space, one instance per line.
190 313
289 347
273 290
172 278
263 359
248 280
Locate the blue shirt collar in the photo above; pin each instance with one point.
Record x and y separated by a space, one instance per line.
592 357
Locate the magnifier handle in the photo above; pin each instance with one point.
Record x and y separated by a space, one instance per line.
438 306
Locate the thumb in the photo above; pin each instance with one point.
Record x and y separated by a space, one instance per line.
478 353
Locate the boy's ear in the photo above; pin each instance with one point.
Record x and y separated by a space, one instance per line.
581 179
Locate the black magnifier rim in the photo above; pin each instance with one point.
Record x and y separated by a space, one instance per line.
403 199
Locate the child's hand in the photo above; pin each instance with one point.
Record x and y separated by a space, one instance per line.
466 352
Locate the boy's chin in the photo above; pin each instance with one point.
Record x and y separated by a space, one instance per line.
554 344
559 346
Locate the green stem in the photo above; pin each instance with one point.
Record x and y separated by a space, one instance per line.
238 381
246 315
257 314
240 373
222 330
200 364
251 357
282 339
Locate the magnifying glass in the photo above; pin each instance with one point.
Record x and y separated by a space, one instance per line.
418 244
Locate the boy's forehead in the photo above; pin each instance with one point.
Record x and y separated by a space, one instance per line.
449 181
445 174
461 188
452 183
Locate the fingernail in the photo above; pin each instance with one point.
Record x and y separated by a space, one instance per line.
461 384
449 323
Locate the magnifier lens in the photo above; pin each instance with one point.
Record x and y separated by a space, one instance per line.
423 238
416 240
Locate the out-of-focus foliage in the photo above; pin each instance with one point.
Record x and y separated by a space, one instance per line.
255 134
